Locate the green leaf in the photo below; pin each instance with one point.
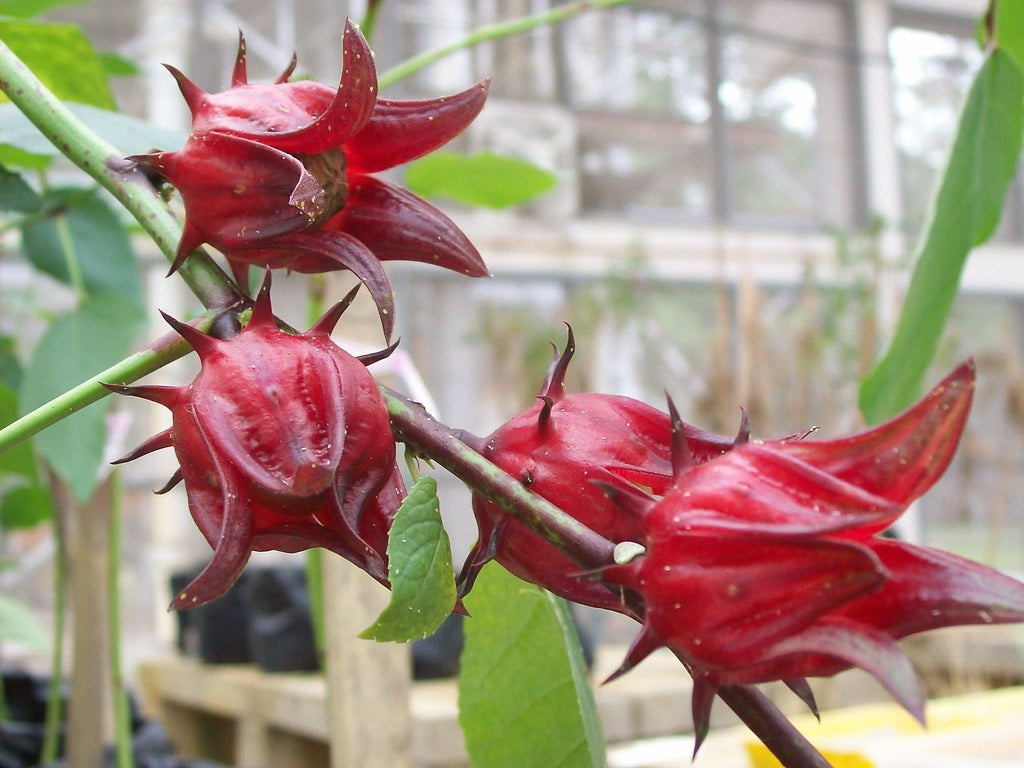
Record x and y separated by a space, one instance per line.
25 507
24 502
485 179
16 195
10 366
19 461
524 698
75 347
1010 28
27 147
18 624
61 56
117 66
419 569
964 213
84 232
26 9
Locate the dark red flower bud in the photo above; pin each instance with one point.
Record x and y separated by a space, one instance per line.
564 448
761 564
275 174
283 443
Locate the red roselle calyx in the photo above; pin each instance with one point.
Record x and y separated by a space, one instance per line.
762 563
563 448
283 443
279 175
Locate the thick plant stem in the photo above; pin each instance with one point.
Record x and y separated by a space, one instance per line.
493 32
765 721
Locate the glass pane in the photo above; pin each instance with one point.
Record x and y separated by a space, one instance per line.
931 73
638 78
786 97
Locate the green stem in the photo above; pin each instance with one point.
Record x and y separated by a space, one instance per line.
492 32
369 22
108 166
54 701
164 350
67 247
122 713
315 588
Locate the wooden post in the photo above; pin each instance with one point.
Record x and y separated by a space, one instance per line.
86 528
368 683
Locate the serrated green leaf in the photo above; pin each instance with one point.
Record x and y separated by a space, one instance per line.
1010 28
61 56
524 698
16 195
485 179
26 9
86 231
419 569
76 346
964 213
18 624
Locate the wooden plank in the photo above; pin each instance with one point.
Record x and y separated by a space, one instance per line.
368 683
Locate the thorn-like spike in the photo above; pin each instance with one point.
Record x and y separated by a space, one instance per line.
173 481
545 412
329 320
554 382
376 357
682 458
643 646
155 443
194 95
191 239
162 395
198 340
628 498
262 310
743 435
703 698
239 76
473 441
802 689
283 77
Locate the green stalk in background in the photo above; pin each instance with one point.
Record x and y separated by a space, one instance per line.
492 32
54 700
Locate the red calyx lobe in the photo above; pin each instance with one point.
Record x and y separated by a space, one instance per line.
283 443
